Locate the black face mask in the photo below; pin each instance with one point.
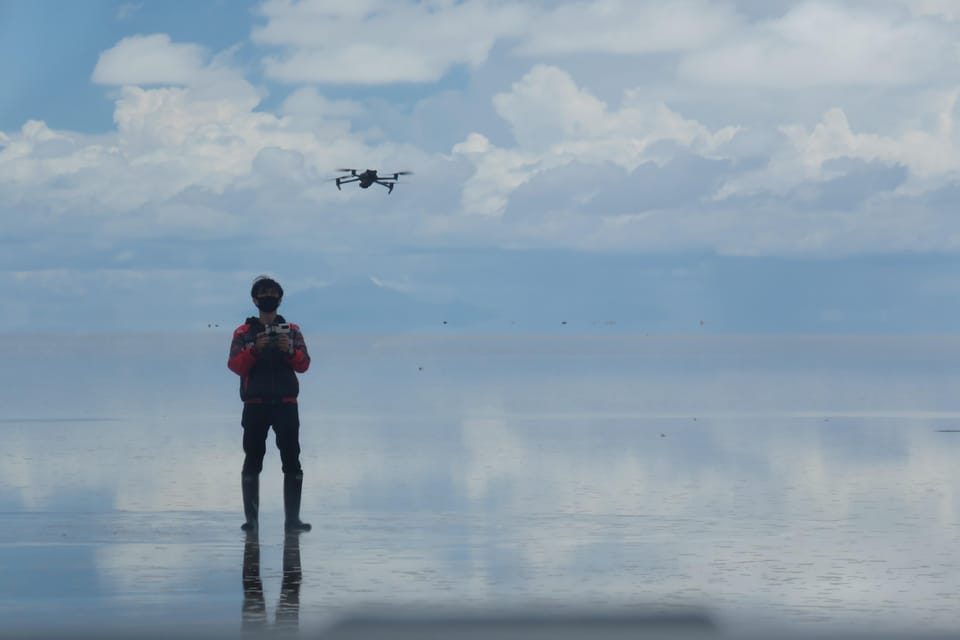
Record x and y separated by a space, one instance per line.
268 304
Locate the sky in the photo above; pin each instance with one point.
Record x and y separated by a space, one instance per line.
738 166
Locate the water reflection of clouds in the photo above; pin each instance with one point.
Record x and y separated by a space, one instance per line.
140 463
602 467
796 490
818 516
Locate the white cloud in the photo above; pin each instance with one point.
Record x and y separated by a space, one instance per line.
546 106
151 59
197 152
546 109
203 132
379 41
822 44
627 27
813 43
498 172
932 155
555 123
308 103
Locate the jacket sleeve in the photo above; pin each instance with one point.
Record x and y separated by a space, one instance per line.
241 356
300 358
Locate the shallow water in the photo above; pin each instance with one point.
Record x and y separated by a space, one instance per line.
806 483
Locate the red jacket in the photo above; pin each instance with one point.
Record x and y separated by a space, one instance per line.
270 376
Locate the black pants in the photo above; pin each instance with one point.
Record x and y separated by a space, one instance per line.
257 420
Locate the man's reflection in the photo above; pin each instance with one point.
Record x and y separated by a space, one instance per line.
288 607
254 616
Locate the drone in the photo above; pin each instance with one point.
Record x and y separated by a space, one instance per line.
368 177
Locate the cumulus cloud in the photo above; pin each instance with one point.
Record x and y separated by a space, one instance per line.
555 122
931 154
196 150
150 59
199 130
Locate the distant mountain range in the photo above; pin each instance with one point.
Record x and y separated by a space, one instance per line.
545 292
361 305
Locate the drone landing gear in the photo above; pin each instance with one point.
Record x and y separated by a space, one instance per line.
341 181
388 185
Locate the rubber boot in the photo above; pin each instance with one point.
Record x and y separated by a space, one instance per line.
292 487
250 484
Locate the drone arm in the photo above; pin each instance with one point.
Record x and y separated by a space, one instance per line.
341 181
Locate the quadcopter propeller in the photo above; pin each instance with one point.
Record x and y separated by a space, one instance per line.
402 173
344 169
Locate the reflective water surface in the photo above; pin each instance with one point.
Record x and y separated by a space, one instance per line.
808 483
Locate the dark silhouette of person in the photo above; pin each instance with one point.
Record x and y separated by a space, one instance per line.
254 610
288 606
267 353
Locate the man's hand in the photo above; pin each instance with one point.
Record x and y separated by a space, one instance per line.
284 343
263 341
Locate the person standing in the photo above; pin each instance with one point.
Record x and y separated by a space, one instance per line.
267 353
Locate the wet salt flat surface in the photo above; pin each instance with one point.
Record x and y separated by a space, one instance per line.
805 483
